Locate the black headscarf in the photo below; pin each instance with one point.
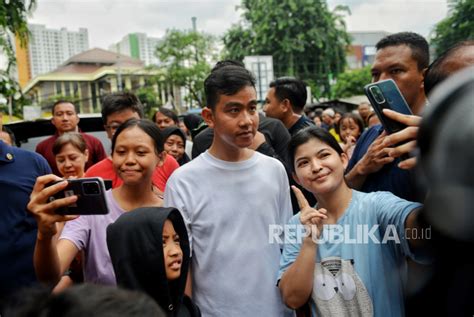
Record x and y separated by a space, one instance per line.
166 132
136 249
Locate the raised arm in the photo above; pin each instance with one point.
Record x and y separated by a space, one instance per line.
51 258
296 283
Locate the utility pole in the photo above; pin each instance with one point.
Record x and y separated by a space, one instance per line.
119 71
194 24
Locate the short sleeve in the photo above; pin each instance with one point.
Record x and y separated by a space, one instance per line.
77 231
392 213
291 244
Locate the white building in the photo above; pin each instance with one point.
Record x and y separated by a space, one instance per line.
49 48
138 45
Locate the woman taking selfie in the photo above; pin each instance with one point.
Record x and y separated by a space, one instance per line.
137 148
349 257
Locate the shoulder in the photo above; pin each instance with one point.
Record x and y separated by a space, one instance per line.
92 140
30 160
101 165
48 141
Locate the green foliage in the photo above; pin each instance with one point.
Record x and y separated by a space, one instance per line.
13 14
352 82
305 39
184 57
47 104
149 98
457 26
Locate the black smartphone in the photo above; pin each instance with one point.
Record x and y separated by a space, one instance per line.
90 194
386 95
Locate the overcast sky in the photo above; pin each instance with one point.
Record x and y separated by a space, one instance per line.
109 20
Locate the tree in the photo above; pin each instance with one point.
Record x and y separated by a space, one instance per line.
185 56
149 99
457 26
305 39
351 82
13 14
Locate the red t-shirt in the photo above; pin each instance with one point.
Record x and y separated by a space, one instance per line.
161 174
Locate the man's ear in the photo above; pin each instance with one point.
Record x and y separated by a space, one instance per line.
285 105
295 178
208 117
423 77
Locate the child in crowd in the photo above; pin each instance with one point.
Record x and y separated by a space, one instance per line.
351 127
175 144
149 249
338 269
137 149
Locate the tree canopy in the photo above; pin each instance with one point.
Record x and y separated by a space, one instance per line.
304 37
13 20
457 26
352 82
185 56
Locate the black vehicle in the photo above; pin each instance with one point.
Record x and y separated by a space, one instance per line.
29 133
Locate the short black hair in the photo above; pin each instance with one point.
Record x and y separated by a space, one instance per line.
82 300
120 101
305 135
167 113
60 101
292 89
436 72
10 133
226 78
420 51
146 126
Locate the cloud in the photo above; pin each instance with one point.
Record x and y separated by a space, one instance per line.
110 20
394 15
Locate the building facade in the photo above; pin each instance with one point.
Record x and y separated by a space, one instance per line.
47 49
138 45
85 78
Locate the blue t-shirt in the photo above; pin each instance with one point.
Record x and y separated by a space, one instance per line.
390 178
18 172
360 260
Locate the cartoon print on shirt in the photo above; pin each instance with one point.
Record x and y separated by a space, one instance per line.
339 291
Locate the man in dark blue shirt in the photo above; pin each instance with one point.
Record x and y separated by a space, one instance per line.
285 101
375 164
18 172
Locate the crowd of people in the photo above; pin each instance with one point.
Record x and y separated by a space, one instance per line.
236 212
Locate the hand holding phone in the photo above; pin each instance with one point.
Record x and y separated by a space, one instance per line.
386 95
91 197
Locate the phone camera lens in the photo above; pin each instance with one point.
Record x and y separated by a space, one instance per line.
91 188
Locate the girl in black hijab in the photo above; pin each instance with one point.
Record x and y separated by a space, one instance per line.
149 248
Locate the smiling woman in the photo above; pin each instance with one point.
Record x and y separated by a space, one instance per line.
137 149
71 153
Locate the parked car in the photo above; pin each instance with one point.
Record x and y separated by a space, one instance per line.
29 133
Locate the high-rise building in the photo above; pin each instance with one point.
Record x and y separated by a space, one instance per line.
47 49
138 45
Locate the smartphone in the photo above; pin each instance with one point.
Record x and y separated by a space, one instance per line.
91 197
386 95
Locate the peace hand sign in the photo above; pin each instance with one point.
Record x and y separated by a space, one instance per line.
312 219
